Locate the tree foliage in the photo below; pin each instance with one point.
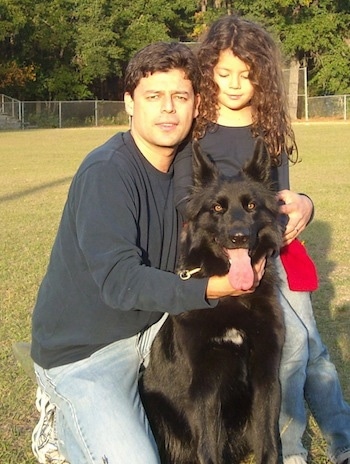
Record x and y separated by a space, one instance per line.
76 49
314 32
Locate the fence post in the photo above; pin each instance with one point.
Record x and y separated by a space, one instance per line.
60 114
21 115
345 115
96 113
306 95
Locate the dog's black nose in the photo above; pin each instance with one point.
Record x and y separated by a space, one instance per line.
240 240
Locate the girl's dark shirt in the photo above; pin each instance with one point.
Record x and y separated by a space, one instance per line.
230 148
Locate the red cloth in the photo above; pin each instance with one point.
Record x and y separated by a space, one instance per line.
300 269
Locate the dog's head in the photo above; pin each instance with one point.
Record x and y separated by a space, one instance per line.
231 219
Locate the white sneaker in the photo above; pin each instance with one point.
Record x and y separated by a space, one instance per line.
294 460
44 442
344 458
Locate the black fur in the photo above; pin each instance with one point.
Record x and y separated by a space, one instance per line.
211 390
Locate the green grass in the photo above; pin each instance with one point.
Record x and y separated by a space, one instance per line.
36 168
324 175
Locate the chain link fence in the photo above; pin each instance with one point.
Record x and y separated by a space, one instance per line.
64 114
60 114
334 107
15 114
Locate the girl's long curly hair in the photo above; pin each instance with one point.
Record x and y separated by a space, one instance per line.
255 47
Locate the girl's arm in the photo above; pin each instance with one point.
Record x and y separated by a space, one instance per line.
183 177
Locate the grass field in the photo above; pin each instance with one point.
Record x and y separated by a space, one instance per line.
36 168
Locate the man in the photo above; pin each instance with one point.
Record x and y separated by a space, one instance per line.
110 278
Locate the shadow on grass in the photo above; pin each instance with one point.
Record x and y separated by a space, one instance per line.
318 237
332 323
32 190
333 320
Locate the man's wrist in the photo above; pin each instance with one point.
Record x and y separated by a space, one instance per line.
313 208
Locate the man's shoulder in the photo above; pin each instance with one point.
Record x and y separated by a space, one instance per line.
116 151
118 143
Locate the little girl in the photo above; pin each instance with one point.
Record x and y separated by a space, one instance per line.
242 96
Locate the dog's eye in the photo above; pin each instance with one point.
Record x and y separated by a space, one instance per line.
218 208
251 205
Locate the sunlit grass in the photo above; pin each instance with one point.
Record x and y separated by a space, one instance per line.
36 168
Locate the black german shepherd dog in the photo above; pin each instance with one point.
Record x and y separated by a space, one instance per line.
211 389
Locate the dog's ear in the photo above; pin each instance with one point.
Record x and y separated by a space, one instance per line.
259 167
204 170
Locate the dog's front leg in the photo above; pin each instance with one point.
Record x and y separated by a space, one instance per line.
265 411
209 433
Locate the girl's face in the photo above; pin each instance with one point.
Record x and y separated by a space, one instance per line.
232 76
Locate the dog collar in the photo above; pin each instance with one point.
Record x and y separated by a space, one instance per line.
186 274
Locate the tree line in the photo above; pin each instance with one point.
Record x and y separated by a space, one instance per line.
78 49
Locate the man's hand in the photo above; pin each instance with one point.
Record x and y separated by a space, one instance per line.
299 209
219 287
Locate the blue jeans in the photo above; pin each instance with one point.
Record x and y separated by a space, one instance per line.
306 373
100 418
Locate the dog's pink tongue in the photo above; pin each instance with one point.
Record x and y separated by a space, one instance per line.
241 274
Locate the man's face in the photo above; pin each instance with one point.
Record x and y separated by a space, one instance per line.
162 108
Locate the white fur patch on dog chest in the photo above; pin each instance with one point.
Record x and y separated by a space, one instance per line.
230 336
